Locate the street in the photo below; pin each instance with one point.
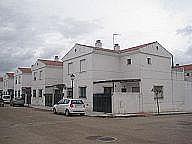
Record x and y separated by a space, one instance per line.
22 125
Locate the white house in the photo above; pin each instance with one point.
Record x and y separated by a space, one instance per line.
22 83
1 86
8 83
45 73
187 71
122 81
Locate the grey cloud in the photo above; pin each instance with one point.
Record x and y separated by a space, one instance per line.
185 31
22 24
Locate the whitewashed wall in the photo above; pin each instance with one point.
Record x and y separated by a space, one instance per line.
123 103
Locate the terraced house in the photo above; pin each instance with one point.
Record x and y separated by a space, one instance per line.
130 80
8 84
22 84
46 81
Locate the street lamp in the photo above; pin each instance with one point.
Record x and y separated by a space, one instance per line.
72 79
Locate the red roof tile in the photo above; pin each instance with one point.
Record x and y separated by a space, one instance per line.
137 47
51 62
187 67
25 70
1 78
10 74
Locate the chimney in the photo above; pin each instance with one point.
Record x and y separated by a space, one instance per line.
98 44
56 58
177 65
116 47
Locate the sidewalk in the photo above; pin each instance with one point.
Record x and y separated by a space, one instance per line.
110 115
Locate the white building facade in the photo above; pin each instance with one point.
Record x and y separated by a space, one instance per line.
44 73
126 79
8 84
22 84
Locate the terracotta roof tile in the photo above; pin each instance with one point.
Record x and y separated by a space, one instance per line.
51 62
187 67
137 47
25 70
10 74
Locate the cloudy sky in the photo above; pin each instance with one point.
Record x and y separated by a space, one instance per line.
31 29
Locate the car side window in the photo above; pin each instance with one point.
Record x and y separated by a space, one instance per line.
66 101
60 102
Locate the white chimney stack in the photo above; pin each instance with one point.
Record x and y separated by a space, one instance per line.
98 44
56 58
116 47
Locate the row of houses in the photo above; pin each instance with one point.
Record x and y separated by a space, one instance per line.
114 80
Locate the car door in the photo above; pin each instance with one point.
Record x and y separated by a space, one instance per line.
59 105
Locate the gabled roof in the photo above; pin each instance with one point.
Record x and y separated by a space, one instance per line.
121 51
25 70
186 67
10 74
51 62
137 47
1 78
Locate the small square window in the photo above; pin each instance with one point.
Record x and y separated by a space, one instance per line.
129 61
149 60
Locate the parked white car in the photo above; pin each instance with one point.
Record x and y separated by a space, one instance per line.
6 98
70 106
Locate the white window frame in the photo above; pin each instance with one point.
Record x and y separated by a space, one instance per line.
149 60
129 61
70 68
83 65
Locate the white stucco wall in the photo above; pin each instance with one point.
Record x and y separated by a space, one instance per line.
50 75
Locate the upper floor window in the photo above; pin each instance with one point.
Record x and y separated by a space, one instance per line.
70 68
34 93
40 75
35 76
15 80
149 60
129 61
82 65
40 92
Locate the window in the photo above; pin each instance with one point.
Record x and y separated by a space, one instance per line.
19 80
40 92
107 90
82 65
129 61
69 92
15 93
40 75
123 90
18 93
135 89
34 76
82 92
149 60
158 92
34 93
70 68
15 80
187 74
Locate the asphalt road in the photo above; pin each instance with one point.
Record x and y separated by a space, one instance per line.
21 125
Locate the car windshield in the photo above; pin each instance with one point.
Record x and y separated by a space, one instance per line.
76 102
6 97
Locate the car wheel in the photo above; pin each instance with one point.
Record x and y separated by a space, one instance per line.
54 110
67 113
